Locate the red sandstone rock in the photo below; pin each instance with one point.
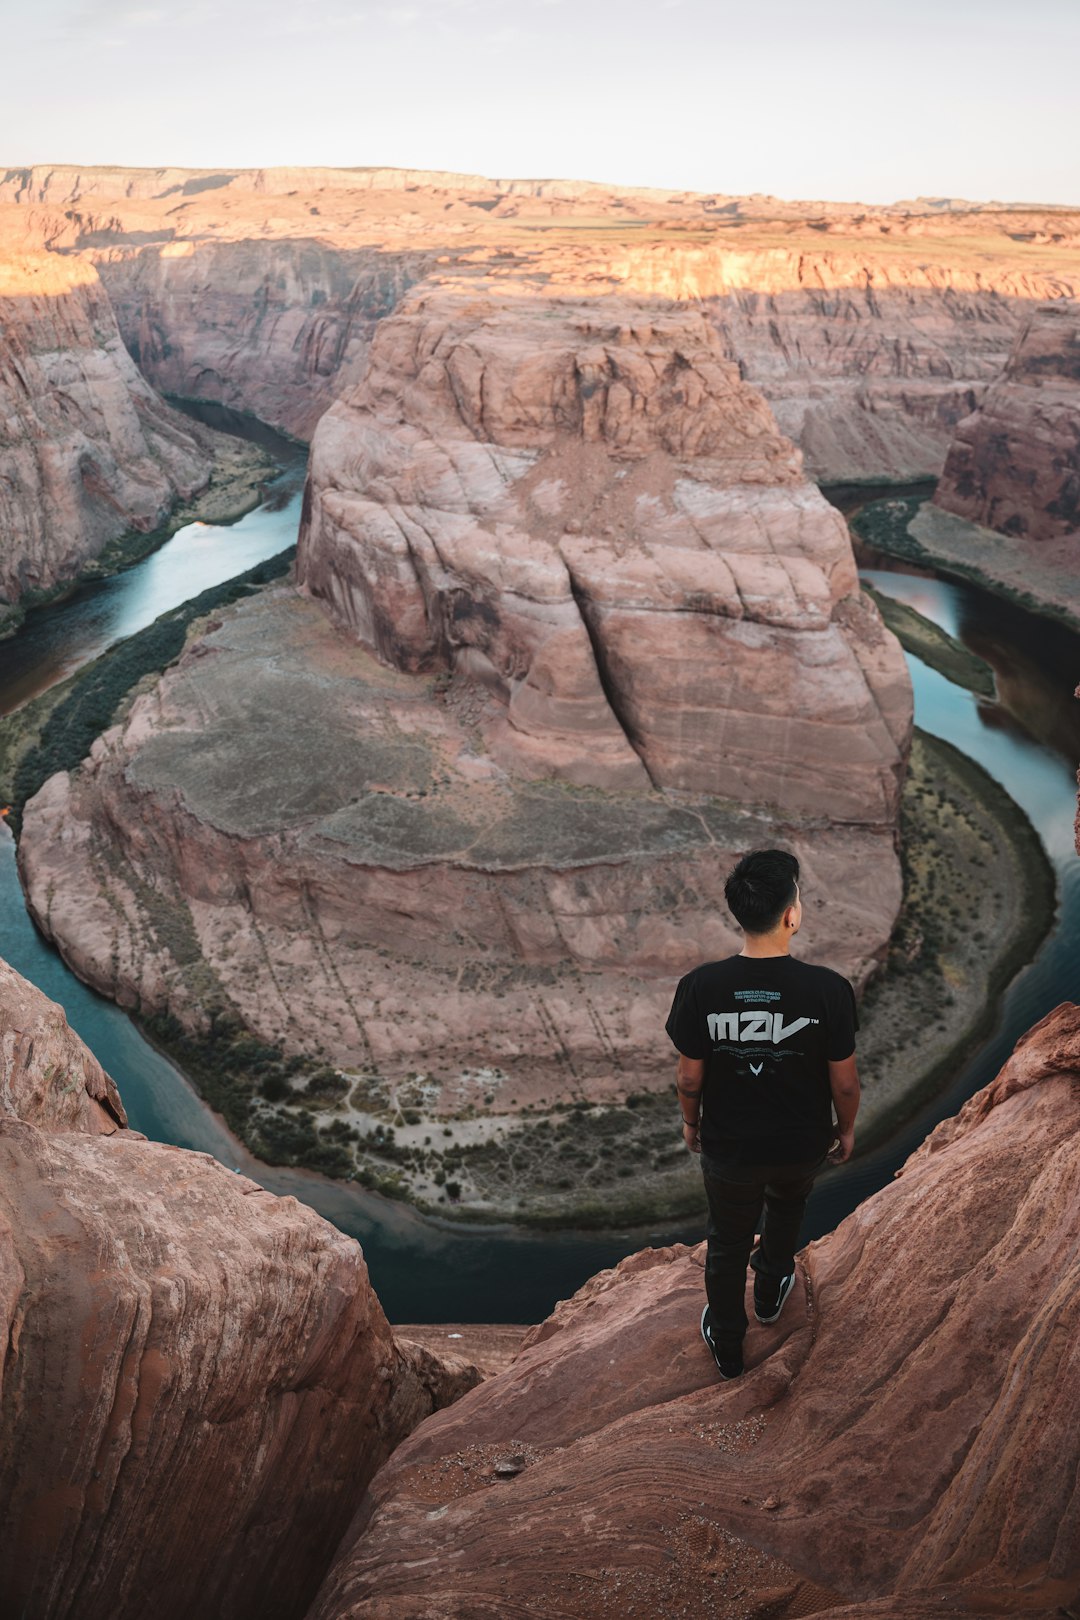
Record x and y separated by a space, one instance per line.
583 506
261 287
618 642
907 1432
358 873
198 1379
47 1076
88 450
1014 464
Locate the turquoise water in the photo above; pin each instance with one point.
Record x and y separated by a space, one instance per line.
425 1270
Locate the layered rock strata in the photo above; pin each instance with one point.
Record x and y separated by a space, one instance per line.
872 331
289 828
869 361
88 450
198 1379
1014 464
276 329
584 508
1007 508
598 635
903 1442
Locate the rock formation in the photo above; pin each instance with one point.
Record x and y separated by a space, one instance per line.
288 829
47 1076
904 1442
602 636
871 331
583 507
198 1379
1007 508
88 451
1014 464
277 329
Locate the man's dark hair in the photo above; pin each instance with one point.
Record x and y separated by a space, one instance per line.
761 888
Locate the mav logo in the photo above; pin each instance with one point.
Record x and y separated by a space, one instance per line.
754 1026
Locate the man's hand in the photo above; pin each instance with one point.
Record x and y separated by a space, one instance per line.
688 1083
844 1085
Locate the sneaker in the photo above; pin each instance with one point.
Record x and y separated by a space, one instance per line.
728 1357
770 1294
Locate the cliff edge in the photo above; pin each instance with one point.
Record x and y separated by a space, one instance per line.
198 1380
907 1432
89 450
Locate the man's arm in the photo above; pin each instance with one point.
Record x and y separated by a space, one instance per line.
689 1080
844 1085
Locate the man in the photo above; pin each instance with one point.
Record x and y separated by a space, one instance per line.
766 1051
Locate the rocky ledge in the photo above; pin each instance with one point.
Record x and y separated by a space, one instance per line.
203 1410
198 1380
904 1442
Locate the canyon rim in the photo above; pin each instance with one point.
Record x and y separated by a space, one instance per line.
414 840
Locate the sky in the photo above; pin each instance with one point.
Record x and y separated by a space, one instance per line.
860 102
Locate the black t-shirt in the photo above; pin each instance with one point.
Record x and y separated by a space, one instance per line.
768 1027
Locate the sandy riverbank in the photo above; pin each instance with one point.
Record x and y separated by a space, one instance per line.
928 641
1040 575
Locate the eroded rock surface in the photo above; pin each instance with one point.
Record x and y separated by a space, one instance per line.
598 636
584 507
88 449
1014 464
904 1441
47 1076
871 330
275 328
287 826
198 1379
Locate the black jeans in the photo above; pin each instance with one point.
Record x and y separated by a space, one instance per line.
737 1195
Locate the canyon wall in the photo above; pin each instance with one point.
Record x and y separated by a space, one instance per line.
89 450
1014 464
198 1380
872 331
274 328
905 1440
594 635
868 360
867 353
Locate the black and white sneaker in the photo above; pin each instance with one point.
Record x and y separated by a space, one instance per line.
728 1357
770 1294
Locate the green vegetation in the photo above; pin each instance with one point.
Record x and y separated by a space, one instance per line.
968 852
55 731
934 645
883 526
240 1076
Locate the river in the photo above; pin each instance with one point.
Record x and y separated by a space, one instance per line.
428 1270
